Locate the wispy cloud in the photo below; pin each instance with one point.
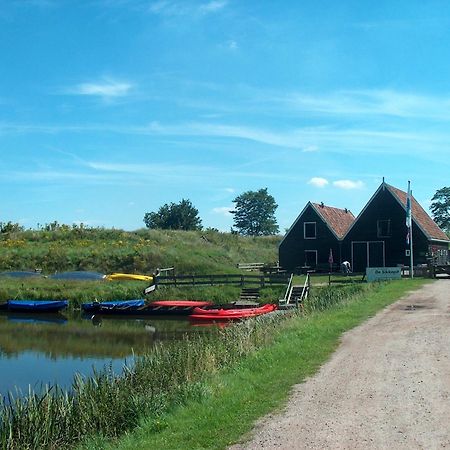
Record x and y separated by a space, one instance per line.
432 144
106 88
212 6
156 169
178 8
381 102
311 148
318 182
348 184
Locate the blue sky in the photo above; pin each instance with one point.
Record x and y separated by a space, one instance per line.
111 108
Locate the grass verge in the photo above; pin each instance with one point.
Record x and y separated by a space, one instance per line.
260 382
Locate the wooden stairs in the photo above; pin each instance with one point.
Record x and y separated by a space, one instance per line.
249 296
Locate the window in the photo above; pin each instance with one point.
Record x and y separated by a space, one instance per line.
309 230
384 228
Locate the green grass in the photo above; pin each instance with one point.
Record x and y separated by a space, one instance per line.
260 381
142 251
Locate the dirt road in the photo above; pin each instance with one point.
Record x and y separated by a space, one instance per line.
386 387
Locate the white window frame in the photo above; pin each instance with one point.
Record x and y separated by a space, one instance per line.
304 230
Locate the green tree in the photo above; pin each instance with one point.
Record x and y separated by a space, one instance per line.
440 208
254 213
174 216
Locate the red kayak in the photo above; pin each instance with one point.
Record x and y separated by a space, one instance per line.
230 313
181 303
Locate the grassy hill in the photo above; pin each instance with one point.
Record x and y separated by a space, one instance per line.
142 251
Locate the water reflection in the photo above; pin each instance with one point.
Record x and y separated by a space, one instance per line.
39 349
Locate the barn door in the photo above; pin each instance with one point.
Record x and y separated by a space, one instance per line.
359 256
367 254
376 254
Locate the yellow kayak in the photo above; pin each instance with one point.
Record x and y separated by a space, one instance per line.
128 276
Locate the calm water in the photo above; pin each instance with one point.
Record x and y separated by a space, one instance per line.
40 350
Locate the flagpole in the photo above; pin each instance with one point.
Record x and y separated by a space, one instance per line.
411 256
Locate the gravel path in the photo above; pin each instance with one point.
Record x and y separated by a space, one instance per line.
386 387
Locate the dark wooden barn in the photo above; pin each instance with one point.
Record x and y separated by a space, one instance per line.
377 237
318 230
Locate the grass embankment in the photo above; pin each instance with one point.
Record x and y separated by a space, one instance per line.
201 392
108 250
261 381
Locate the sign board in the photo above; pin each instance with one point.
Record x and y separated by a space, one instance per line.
383 273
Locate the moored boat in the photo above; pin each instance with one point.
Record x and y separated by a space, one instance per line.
230 313
114 307
140 307
35 306
128 277
177 307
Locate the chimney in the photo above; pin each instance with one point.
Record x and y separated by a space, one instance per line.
321 204
346 210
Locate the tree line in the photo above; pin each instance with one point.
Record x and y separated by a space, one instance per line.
253 215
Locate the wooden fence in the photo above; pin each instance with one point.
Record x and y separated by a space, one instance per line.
223 279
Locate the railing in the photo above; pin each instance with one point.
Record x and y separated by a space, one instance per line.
287 295
221 279
250 266
305 290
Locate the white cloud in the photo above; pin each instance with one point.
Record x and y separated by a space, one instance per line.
318 182
223 210
107 88
348 184
311 148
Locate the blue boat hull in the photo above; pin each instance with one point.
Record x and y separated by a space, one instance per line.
36 306
114 307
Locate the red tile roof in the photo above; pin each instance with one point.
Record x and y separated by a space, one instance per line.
339 220
420 216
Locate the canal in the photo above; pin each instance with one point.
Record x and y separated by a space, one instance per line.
50 349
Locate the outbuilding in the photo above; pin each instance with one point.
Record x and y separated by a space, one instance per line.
377 237
315 238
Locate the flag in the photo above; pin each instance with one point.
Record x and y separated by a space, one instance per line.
408 214
330 258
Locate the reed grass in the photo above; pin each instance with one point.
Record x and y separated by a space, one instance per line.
168 376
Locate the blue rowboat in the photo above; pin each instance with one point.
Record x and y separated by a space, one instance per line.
41 306
117 306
